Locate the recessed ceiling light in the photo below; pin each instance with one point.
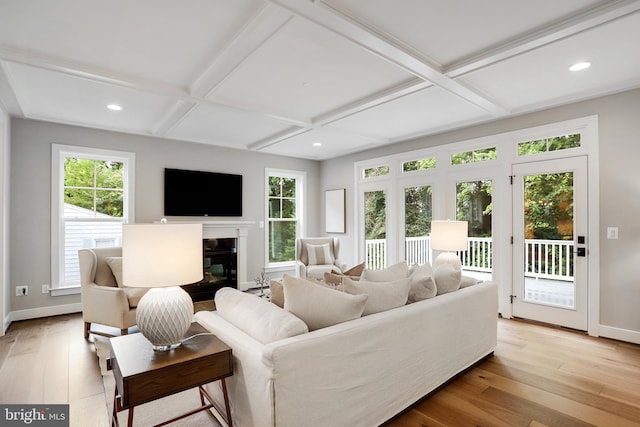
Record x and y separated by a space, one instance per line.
317 144
114 107
580 66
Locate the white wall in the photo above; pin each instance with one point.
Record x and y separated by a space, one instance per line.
30 189
619 139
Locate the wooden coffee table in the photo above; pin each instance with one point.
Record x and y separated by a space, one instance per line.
142 374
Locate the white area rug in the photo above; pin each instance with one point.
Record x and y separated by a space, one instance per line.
158 411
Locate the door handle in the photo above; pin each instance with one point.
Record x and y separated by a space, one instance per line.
580 252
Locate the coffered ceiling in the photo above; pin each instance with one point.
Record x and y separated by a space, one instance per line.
280 76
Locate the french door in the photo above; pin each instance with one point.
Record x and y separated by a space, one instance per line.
550 242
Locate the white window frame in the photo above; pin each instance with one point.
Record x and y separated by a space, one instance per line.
58 154
301 191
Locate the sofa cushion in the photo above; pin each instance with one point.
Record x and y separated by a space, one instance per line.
258 318
355 270
447 278
383 296
319 306
422 284
319 254
394 272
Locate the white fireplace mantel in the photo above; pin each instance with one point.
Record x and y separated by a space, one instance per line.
227 230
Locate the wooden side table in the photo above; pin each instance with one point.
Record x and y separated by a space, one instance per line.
142 374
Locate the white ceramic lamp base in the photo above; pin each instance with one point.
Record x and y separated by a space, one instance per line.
164 315
450 258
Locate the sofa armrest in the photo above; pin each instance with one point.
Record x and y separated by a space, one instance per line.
250 388
341 265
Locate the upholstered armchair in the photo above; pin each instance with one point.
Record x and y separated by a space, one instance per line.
317 255
103 300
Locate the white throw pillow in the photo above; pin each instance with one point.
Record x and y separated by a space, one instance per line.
319 306
422 284
319 254
115 264
395 272
447 278
257 317
383 296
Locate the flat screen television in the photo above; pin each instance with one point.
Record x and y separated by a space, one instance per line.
199 193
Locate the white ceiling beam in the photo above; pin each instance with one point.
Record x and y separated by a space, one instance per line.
378 44
267 22
589 19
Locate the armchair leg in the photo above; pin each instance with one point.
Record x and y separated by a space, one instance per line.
124 331
87 328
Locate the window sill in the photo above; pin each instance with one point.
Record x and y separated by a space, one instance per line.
68 290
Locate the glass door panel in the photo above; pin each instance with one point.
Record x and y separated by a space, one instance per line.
474 204
375 229
418 213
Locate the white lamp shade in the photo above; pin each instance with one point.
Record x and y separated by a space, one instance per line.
449 235
160 255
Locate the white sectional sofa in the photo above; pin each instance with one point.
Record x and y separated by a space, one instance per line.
360 372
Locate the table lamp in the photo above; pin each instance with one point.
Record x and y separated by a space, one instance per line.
449 236
162 257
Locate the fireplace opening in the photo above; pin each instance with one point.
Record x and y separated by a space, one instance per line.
219 268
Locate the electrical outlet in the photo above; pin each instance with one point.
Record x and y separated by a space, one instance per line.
22 291
45 289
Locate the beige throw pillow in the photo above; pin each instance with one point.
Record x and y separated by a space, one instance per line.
383 296
319 306
319 254
395 272
277 293
447 278
115 264
422 284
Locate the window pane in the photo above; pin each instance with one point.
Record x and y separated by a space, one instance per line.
474 156
288 187
415 165
78 172
377 171
274 186
289 208
87 234
78 198
110 202
274 208
282 241
549 144
109 174
418 215
474 204
375 228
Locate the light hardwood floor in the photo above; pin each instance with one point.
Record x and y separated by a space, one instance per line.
539 376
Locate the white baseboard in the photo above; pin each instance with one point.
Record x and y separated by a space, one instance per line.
54 310
619 334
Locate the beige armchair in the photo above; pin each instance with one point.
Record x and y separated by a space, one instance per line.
322 261
103 301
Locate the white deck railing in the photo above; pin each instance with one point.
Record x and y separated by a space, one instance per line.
548 259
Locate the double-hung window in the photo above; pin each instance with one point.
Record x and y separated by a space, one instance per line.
285 190
92 196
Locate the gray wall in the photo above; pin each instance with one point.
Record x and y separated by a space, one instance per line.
619 128
30 219
4 222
